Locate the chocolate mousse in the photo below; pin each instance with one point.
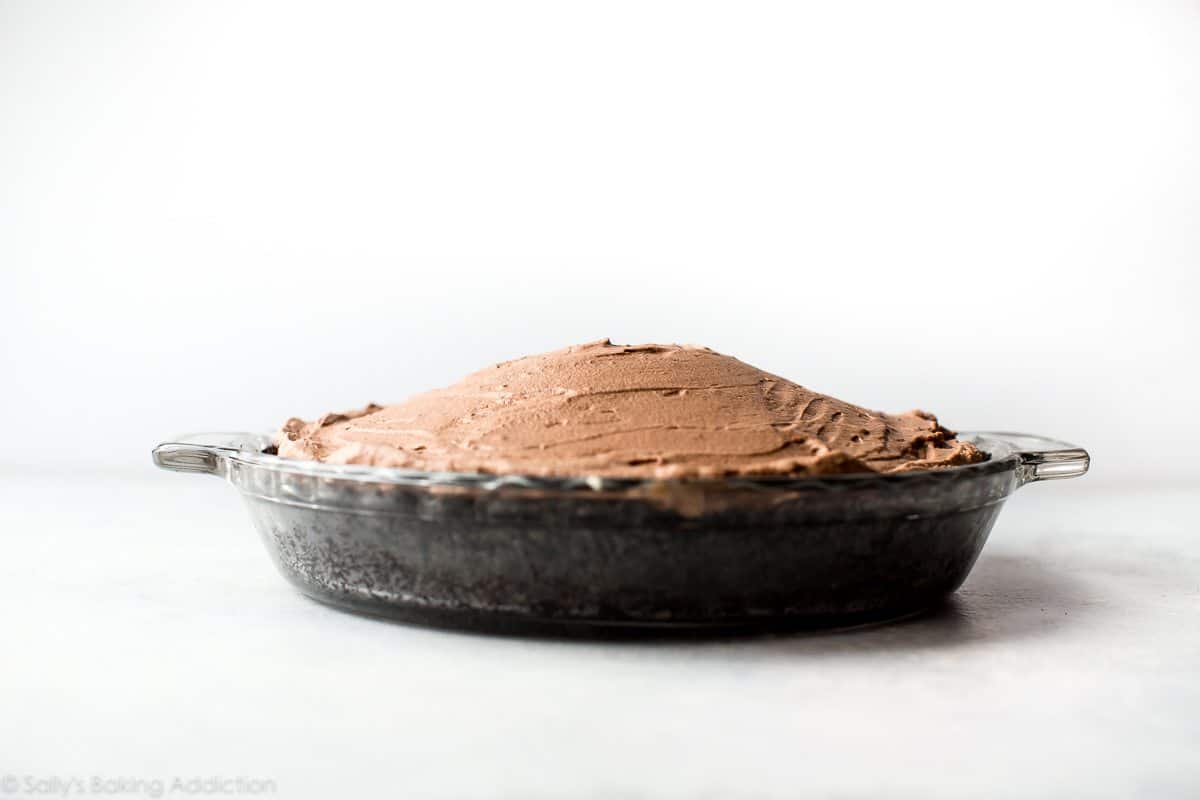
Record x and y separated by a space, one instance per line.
635 411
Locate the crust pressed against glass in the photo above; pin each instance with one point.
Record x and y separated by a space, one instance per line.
519 553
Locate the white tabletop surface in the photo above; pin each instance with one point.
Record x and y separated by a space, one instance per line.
148 637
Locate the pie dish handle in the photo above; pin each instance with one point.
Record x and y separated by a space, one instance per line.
1041 459
205 453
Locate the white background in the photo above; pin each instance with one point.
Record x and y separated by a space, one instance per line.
218 215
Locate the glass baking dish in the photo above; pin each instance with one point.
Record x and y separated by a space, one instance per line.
523 554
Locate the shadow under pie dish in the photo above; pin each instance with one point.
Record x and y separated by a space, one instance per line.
659 549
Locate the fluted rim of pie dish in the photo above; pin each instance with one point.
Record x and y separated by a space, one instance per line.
999 456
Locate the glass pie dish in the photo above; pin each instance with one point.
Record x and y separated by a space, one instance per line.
584 555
